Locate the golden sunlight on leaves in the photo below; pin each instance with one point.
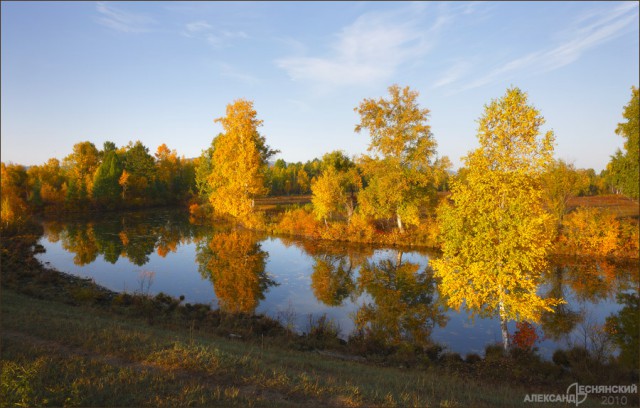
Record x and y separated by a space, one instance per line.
496 233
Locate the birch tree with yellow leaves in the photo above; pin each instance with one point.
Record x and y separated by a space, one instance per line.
400 172
496 232
238 162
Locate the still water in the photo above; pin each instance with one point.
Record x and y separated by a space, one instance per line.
388 292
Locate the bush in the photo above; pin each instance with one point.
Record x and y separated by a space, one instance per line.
299 222
589 231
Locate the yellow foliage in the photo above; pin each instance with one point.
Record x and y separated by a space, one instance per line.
360 229
237 176
237 269
496 233
401 174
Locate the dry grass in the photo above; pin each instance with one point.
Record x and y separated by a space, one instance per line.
621 206
57 354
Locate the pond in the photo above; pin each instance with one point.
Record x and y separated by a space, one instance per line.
390 292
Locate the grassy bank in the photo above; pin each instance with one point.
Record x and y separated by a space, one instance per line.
57 354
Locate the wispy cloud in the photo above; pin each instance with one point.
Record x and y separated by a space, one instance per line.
215 37
123 21
372 48
586 32
228 71
198 26
453 74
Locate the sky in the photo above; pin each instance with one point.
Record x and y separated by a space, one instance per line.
161 72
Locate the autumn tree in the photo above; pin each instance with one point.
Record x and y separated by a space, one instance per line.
399 173
442 166
238 162
561 182
496 233
49 182
624 166
15 190
334 191
169 173
81 165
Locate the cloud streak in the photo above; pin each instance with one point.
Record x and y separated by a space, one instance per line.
586 32
123 21
206 32
370 49
229 71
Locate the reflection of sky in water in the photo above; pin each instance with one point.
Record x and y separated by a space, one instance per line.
291 268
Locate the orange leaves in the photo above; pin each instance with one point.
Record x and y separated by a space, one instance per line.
124 182
299 222
14 182
525 336
591 232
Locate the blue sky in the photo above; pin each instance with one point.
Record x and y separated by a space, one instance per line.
162 72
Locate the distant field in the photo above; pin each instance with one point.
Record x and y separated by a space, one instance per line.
619 205
269 203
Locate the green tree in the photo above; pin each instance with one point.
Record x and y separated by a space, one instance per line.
141 167
496 233
203 169
106 189
400 173
625 166
239 162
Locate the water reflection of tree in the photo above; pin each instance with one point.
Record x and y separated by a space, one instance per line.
80 240
332 278
624 329
563 319
132 235
585 280
403 307
108 240
235 264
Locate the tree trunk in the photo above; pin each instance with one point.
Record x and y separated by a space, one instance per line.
503 327
399 220
398 258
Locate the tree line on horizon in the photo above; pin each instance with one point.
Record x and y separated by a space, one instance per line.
130 177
